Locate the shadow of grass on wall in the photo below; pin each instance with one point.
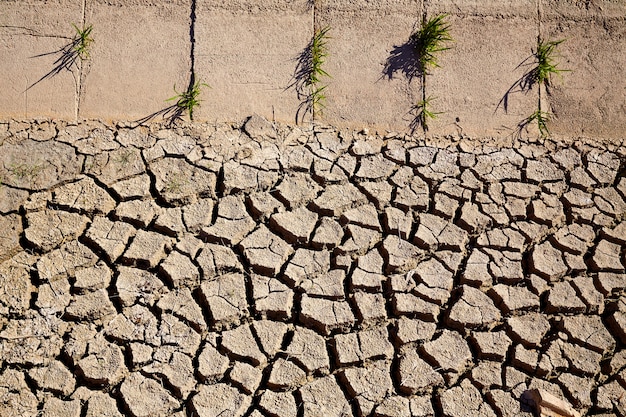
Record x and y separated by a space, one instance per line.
70 55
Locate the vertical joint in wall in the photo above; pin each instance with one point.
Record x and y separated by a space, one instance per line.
84 12
539 34
423 12
192 46
316 12
316 26
78 81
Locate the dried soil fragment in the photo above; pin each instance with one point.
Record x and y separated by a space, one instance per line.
325 315
286 375
308 349
465 400
104 363
548 262
233 222
265 251
278 404
334 403
147 249
225 297
145 397
335 199
473 309
48 229
240 343
450 352
368 385
415 375
11 226
84 195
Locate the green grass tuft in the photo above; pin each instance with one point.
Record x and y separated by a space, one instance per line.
541 118
429 40
188 100
125 157
319 52
21 171
546 65
423 113
82 41
175 184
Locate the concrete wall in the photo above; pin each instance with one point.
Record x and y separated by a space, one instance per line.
247 52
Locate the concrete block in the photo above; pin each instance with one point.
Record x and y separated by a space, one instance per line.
591 99
247 52
141 50
31 35
497 8
476 74
368 61
582 10
380 7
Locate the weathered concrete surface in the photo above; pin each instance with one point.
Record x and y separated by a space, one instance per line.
471 89
248 54
32 33
141 52
271 266
368 83
588 101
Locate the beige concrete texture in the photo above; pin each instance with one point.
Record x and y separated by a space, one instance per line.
591 99
475 89
141 51
576 9
371 64
247 51
526 9
33 34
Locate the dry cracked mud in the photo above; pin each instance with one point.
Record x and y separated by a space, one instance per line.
264 270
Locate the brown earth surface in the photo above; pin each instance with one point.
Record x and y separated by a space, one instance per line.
267 270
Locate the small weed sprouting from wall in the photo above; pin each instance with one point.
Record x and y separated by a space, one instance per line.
71 56
428 41
541 74
543 67
82 41
541 118
423 114
319 52
184 102
188 100
546 66
309 74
